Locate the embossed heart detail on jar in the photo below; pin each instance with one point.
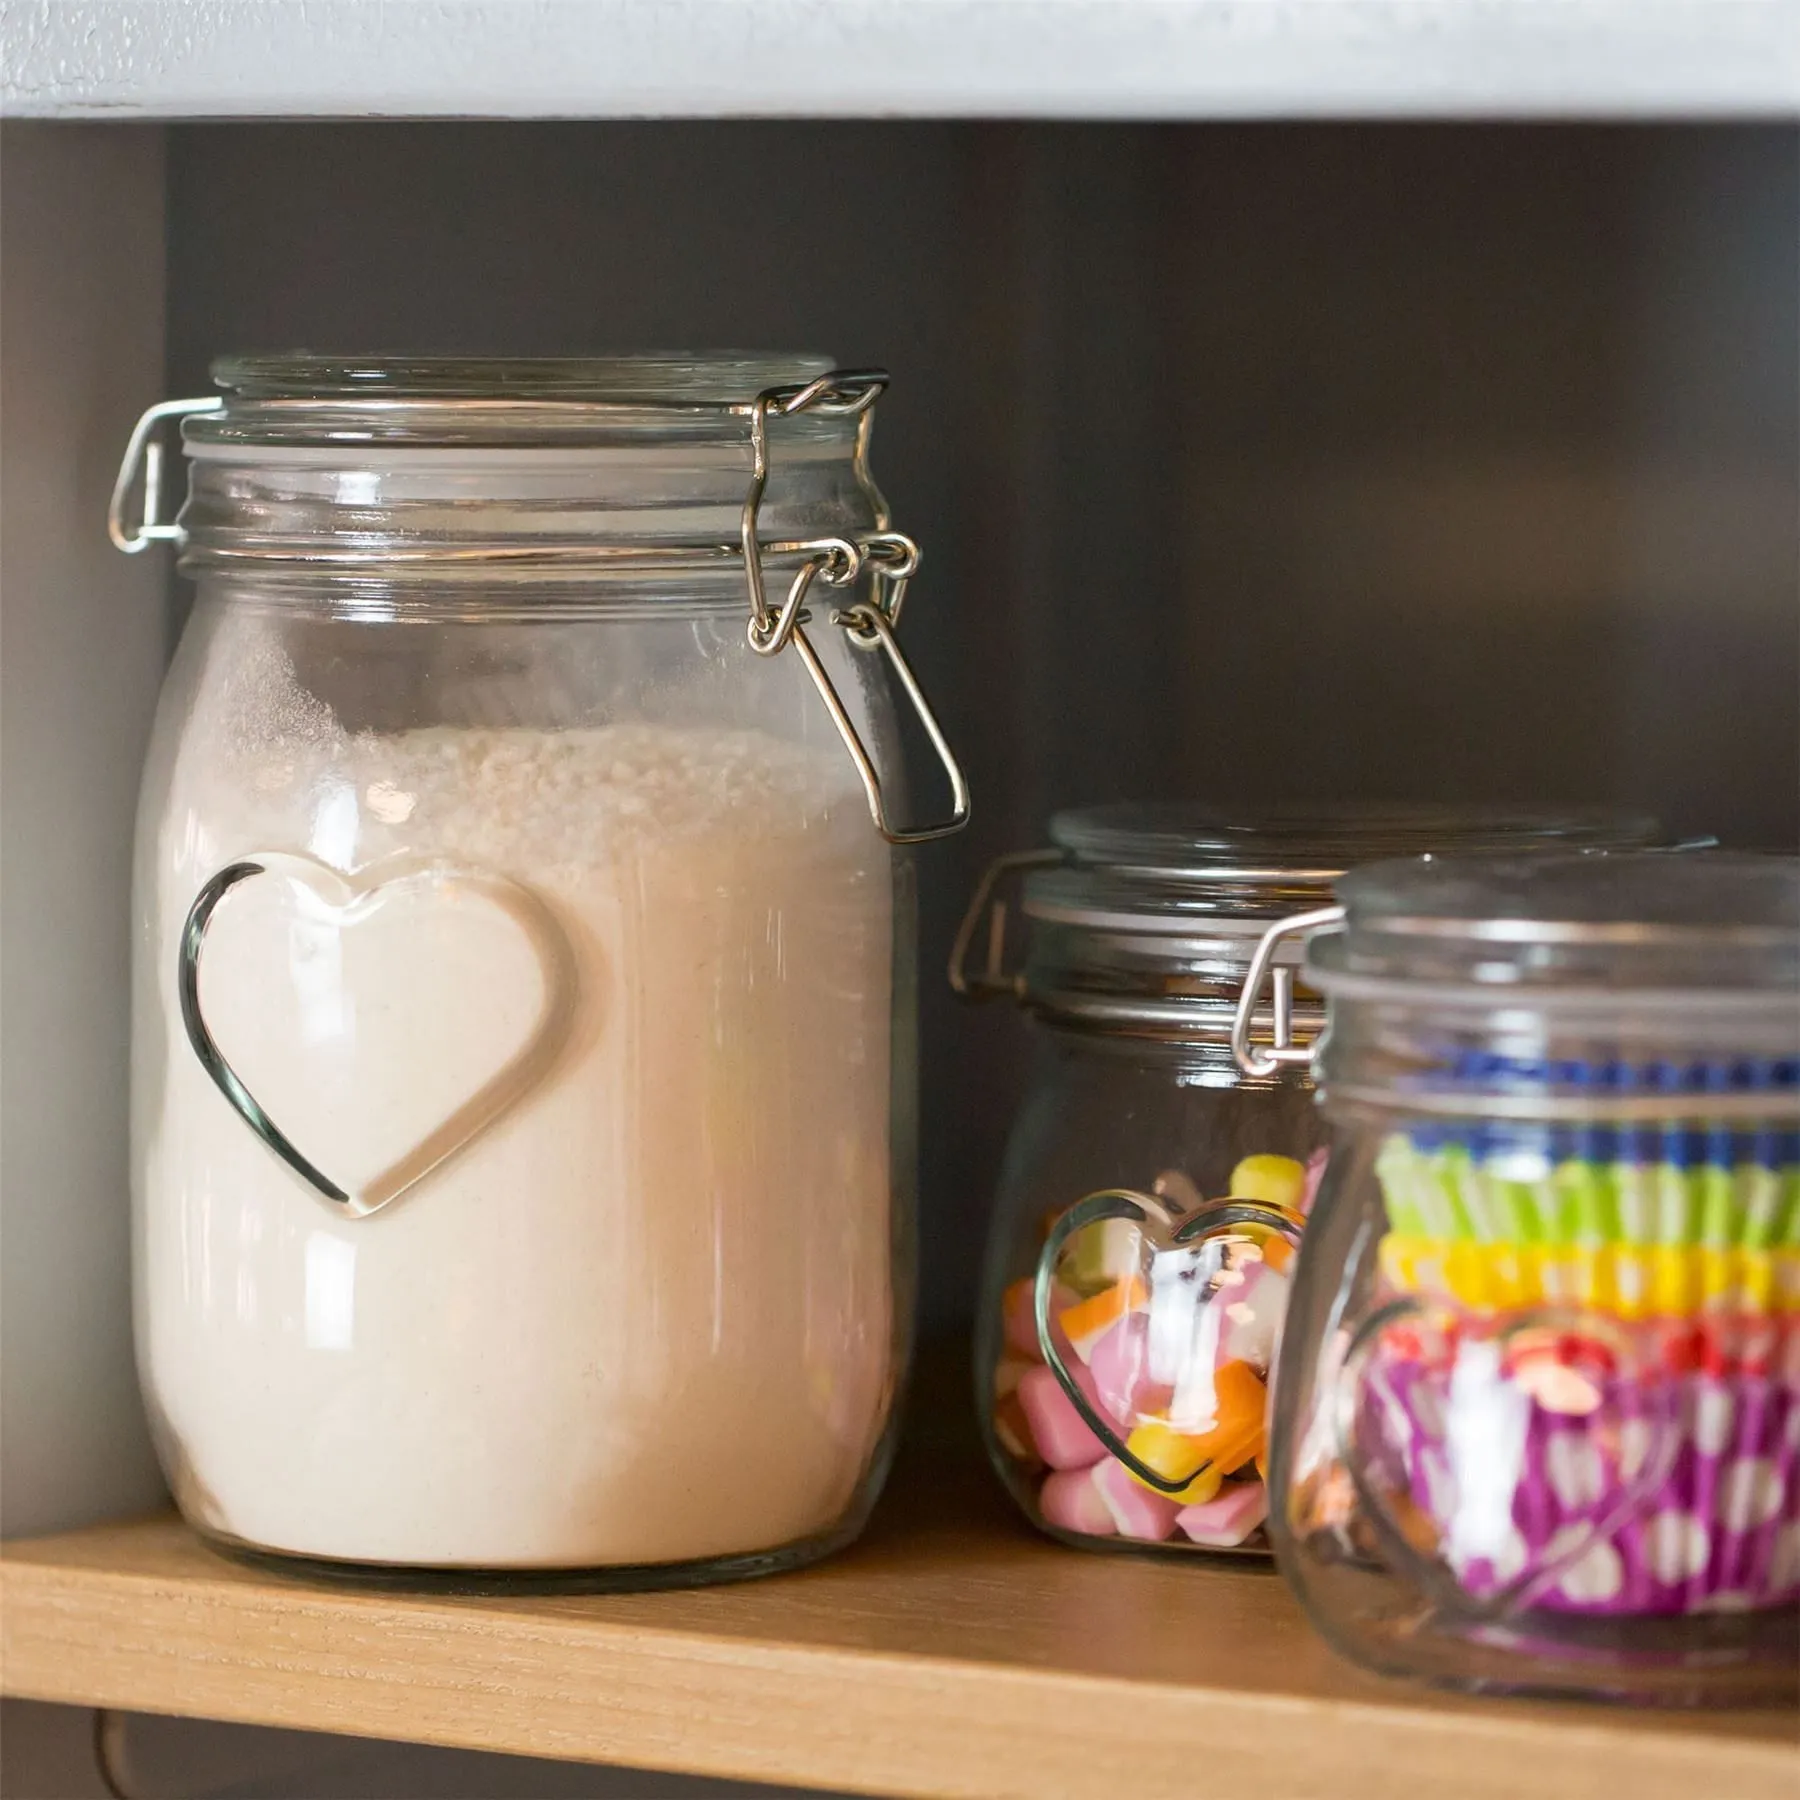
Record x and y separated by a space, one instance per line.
360 1011
1159 1322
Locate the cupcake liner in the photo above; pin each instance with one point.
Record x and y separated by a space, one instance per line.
1500 1191
1626 1281
1718 1531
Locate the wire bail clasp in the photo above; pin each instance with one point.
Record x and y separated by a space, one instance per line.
888 558
1281 1052
989 905
145 446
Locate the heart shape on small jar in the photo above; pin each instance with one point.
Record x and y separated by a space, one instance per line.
1179 1336
1459 1430
393 1016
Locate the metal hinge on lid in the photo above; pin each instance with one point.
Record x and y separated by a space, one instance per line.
145 446
1281 1052
888 558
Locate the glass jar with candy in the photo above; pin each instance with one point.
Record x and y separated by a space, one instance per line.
1153 1191
1538 1423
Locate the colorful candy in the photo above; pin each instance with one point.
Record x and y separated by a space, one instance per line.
1070 1500
1102 1253
1010 1424
1276 1180
1224 1522
1169 1338
1060 1435
1087 1321
1254 1297
1136 1511
1119 1364
1175 1456
1227 1434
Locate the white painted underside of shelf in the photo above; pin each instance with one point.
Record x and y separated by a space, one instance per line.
1170 59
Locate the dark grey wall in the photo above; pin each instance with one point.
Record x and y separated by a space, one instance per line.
48 1753
1259 462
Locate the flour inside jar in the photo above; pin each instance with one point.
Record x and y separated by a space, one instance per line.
644 1313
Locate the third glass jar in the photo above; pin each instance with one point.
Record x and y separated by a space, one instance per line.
1153 1192
1538 1420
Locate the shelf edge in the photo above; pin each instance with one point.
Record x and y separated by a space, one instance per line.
1148 59
549 1681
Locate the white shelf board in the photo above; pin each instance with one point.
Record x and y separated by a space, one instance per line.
1149 59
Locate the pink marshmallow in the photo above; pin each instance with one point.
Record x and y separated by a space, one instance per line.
1229 1517
1062 1436
1120 1368
1135 1510
1253 1310
1070 1501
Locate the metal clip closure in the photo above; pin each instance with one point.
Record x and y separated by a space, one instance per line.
146 446
992 981
889 558
1282 1052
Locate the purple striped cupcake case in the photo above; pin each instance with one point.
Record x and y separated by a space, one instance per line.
1631 1493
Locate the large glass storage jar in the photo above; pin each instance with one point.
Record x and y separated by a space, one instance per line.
1537 1424
523 1037
1152 1194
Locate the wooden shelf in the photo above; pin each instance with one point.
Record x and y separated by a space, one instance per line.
951 1653
1173 59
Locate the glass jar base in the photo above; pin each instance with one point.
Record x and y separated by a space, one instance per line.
477 1582
1719 1660
1244 1558
1023 1484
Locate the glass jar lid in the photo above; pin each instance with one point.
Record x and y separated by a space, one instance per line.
1630 987
1641 929
435 398
445 470
1144 917
1162 866
402 488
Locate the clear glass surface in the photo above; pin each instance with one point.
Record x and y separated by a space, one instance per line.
1537 1420
592 910
1134 1415
523 1028
1143 1238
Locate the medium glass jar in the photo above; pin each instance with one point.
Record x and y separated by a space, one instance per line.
1153 1191
1537 1425
524 975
